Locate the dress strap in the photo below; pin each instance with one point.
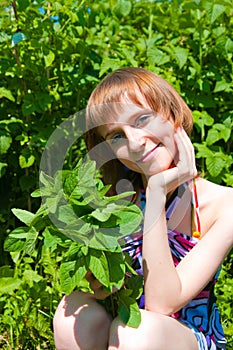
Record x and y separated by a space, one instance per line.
196 224
175 199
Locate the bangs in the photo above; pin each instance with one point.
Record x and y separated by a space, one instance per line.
135 86
108 107
138 87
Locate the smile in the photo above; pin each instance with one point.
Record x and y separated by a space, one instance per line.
149 155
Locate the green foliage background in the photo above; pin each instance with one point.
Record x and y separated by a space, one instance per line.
50 61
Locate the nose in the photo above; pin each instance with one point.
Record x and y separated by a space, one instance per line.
136 139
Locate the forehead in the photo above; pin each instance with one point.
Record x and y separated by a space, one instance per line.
124 114
109 106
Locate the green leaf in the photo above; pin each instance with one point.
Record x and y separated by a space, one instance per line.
7 94
86 174
25 161
31 240
215 165
98 264
218 132
23 215
74 249
130 220
5 142
229 180
36 193
3 167
128 310
203 151
78 231
109 64
31 277
119 196
71 185
23 4
217 10
135 285
196 67
129 56
52 203
66 213
222 85
224 130
212 136
14 242
106 240
202 118
6 271
49 59
157 57
29 105
122 8
9 284
65 273
47 181
101 214
52 240
229 46
181 55
71 273
116 269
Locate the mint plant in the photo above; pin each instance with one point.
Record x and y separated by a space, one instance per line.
52 56
77 216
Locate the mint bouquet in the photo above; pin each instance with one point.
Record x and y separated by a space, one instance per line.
87 229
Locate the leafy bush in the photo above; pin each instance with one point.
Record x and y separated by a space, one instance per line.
52 56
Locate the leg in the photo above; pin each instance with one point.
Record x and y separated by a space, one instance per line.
156 332
80 323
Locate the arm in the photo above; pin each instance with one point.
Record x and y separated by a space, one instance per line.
167 288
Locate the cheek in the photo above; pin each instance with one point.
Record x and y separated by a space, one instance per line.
169 143
120 151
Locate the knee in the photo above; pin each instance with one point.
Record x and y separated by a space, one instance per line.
122 337
150 331
78 321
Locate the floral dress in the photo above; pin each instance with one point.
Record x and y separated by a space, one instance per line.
200 314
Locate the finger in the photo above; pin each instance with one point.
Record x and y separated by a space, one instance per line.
186 152
95 284
89 276
183 141
101 294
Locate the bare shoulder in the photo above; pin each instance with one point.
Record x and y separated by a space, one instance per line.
210 192
216 203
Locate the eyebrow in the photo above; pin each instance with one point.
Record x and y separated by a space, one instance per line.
133 116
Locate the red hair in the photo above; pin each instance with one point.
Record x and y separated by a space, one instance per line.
131 83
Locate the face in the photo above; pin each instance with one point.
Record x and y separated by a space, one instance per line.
141 139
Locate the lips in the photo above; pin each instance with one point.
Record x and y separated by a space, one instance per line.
149 154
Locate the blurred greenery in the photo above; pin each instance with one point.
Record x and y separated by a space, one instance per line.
52 55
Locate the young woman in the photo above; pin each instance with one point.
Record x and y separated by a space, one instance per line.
141 125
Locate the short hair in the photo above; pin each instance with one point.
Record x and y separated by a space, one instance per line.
131 82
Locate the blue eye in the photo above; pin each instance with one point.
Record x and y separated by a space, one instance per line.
117 137
143 119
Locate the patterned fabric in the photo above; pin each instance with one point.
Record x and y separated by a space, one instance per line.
200 314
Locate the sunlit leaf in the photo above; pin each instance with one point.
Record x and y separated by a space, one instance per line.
7 94
49 58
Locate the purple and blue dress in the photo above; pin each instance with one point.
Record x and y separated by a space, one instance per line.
201 314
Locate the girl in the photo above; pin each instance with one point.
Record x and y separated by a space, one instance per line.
142 126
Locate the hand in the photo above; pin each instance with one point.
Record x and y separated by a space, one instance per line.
97 287
184 167
186 163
